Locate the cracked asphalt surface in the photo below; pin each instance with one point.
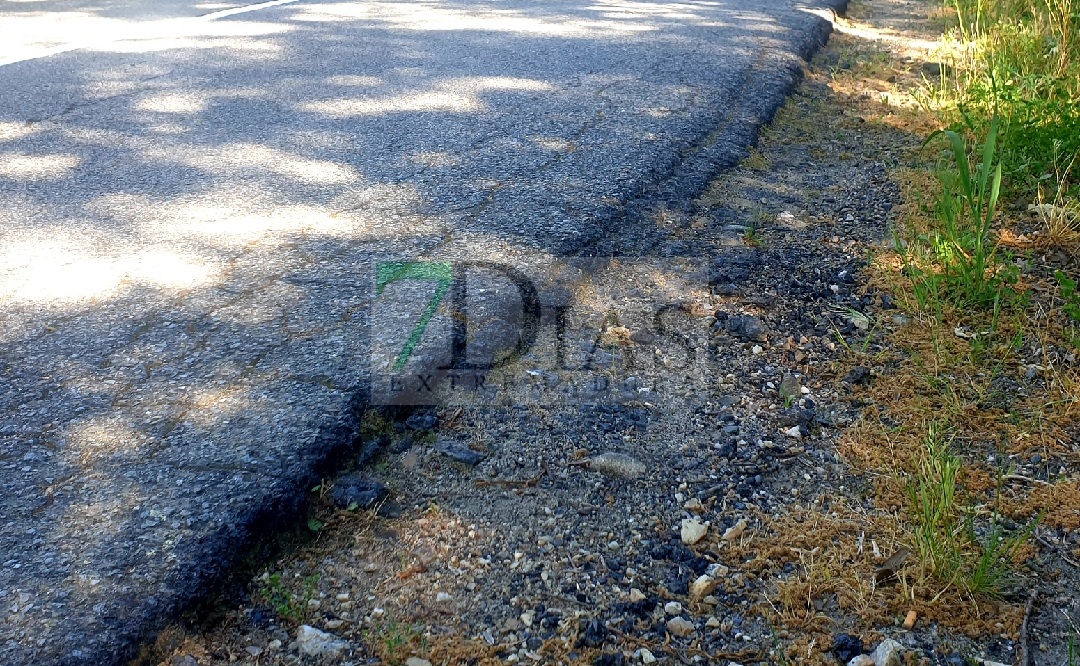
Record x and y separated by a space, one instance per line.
190 214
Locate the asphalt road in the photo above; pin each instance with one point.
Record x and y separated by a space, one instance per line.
191 208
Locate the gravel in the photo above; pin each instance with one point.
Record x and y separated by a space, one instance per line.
539 544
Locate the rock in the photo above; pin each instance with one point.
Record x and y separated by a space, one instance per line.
694 504
702 587
713 622
888 653
315 643
617 464
677 626
417 661
716 570
858 375
795 417
253 650
790 388
693 530
735 531
673 608
730 269
636 595
402 444
794 432
934 71
442 597
183 660
845 647
861 660
421 421
647 657
747 328
459 453
594 635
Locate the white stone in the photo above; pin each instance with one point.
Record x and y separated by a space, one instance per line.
735 531
888 653
315 643
636 595
673 608
647 657
794 431
694 504
702 587
693 530
442 597
417 661
677 626
716 570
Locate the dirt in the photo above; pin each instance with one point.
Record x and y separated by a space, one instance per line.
776 435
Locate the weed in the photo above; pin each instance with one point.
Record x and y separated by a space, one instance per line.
756 161
396 639
945 533
287 605
751 237
963 246
1069 295
992 567
1019 60
933 498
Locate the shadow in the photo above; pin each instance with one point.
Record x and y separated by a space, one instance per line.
190 211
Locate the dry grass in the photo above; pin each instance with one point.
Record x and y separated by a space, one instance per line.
820 561
821 564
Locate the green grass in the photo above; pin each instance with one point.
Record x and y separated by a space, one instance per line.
1069 295
1019 61
283 601
952 548
959 259
396 639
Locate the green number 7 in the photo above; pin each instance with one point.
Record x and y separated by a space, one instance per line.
393 271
